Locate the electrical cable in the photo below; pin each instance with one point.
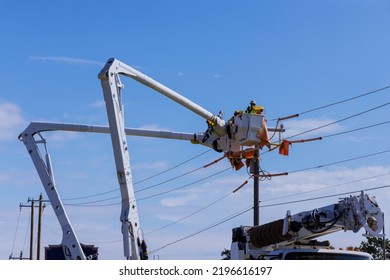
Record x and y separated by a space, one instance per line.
186 185
87 204
198 232
16 231
337 162
197 181
248 209
169 180
323 197
317 166
345 100
338 102
25 237
356 129
190 215
337 185
328 187
171 168
341 120
145 179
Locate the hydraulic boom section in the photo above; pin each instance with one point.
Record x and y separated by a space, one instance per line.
349 214
243 128
70 243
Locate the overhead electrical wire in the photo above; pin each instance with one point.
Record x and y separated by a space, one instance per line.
16 231
143 198
341 120
224 170
335 103
328 187
356 129
300 134
190 215
304 112
145 179
276 198
186 185
173 167
200 231
324 196
345 100
250 208
338 162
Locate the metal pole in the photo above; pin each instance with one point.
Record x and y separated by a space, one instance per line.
32 230
256 168
39 227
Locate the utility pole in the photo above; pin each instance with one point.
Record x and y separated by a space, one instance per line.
32 230
256 168
39 226
32 206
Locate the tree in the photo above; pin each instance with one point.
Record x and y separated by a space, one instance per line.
225 254
374 246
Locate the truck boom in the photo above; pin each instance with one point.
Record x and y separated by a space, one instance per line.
349 214
243 129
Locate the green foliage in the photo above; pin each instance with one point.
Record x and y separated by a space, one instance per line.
225 254
374 246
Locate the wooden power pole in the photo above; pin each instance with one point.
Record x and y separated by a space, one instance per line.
32 206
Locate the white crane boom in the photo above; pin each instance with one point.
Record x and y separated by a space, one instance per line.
32 137
349 214
243 129
114 67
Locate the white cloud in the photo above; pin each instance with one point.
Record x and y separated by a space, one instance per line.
177 201
11 121
97 104
68 60
156 165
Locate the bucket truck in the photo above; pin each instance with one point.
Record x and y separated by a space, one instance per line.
293 237
243 129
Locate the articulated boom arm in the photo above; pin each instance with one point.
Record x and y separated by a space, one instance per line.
219 135
114 68
243 129
32 137
70 243
350 214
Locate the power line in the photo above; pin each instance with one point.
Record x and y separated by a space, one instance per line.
341 120
169 180
345 100
173 167
186 185
337 185
323 197
200 231
87 204
190 215
356 129
340 161
145 179
328 187
249 209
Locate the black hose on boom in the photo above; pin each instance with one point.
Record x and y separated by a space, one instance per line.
268 234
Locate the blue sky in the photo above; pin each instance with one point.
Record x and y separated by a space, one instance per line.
290 56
